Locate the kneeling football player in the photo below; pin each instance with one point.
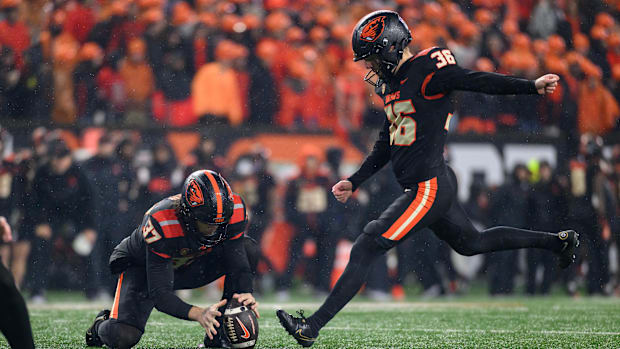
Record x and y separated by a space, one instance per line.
185 241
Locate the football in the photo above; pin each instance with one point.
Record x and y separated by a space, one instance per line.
240 325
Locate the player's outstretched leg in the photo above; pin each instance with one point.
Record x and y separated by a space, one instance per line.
458 231
365 250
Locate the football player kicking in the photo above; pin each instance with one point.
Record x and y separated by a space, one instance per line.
416 89
185 241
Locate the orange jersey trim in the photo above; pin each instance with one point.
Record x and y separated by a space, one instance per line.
427 79
238 212
117 296
424 199
236 236
218 194
165 215
424 52
170 230
163 255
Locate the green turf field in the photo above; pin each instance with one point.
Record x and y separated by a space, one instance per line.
470 322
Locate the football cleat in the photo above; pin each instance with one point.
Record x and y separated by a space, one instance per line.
298 327
570 242
219 341
92 337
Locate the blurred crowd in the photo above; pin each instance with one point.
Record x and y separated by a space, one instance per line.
289 63
69 208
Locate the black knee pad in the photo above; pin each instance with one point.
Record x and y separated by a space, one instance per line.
253 250
118 335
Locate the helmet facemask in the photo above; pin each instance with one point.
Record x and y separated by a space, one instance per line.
383 65
195 226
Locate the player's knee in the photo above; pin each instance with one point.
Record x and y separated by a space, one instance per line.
119 335
253 251
365 249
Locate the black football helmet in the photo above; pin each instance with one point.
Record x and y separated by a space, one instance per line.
385 35
207 198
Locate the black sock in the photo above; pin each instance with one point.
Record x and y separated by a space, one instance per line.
364 252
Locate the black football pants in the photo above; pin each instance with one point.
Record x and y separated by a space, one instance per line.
14 321
432 204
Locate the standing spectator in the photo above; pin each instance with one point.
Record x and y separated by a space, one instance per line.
13 32
204 156
175 97
9 196
62 205
129 210
350 98
306 204
549 209
598 110
139 82
591 210
257 186
547 18
254 183
513 195
263 95
65 53
87 97
106 177
226 102
40 75
163 177
14 95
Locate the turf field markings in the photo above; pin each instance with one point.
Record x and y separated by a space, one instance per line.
463 330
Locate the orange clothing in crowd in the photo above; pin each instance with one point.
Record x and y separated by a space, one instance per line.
17 38
598 109
64 51
138 79
216 91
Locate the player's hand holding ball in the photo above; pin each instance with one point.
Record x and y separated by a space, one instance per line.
248 300
343 190
547 83
207 316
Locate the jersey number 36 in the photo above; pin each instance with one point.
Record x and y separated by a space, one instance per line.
403 127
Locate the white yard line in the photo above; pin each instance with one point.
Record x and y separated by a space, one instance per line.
454 330
358 306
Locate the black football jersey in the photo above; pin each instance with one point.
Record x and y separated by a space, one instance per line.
164 235
418 108
161 245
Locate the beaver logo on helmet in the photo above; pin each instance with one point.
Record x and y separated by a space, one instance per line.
194 194
373 29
